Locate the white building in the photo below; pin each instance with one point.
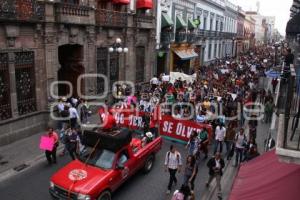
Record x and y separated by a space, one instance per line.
211 15
231 15
259 26
183 44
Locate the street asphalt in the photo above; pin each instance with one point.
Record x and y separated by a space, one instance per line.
32 184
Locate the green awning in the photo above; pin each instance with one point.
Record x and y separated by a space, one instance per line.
166 21
180 23
191 24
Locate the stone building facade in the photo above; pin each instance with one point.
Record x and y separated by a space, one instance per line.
43 42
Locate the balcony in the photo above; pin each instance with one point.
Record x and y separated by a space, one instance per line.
110 18
32 11
166 38
144 21
288 107
73 13
200 33
180 37
191 38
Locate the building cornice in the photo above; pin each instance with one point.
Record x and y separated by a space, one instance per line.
215 4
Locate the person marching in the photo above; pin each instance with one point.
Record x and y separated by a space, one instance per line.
173 164
190 172
215 166
51 155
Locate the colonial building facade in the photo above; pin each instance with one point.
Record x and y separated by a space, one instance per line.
249 33
43 42
194 33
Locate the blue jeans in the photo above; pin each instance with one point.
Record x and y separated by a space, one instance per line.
218 145
239 155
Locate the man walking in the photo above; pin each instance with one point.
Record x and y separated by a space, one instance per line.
215 166
51 155
220 134
173 163
240 142
73 117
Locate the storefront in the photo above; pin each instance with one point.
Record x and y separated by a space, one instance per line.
183 58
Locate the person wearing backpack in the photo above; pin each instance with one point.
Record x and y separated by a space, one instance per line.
240 142
173 164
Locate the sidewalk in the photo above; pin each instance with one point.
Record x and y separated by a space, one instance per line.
25 153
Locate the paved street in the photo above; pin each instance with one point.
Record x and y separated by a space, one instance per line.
33 183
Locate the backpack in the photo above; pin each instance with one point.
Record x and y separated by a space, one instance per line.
244 141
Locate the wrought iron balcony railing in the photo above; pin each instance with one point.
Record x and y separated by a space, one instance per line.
180 36
288 109
166 38
17 10
191 38
111 18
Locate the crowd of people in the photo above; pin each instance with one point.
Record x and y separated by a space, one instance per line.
222 95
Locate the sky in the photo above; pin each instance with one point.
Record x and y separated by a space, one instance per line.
278 8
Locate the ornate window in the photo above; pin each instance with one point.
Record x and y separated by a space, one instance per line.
25 82
5 106
24 10
102 54
140 64
114 68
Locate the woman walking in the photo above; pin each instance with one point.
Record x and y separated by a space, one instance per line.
190 172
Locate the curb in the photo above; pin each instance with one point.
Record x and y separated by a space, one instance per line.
31 163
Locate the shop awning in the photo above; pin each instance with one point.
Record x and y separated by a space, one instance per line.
186 54
144 4
191 24
166 21
180 23
125 2
268 179
293 26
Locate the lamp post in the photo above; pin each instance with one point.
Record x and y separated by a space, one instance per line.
118 48
233 40
276 46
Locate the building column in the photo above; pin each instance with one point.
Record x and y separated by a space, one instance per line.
51 57
91 84
13 89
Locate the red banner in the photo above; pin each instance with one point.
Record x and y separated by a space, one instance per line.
181 129
168 126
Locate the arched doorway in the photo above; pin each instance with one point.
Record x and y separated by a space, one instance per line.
70 58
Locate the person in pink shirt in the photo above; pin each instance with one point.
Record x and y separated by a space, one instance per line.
51 155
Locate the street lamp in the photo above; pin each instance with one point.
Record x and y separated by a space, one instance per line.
117 47
276 46
233 39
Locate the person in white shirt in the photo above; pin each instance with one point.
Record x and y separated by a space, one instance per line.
220 134
60 108
73 117
240 142
173 164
